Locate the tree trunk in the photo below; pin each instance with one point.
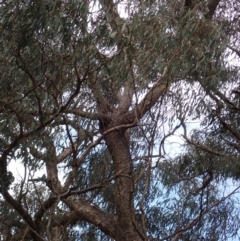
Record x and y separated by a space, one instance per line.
118 146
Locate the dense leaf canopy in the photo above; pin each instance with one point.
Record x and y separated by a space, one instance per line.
92 93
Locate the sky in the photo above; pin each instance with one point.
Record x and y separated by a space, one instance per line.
174 144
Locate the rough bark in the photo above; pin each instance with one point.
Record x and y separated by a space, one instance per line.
118 147
93 215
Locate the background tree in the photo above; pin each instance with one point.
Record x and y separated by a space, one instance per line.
89 96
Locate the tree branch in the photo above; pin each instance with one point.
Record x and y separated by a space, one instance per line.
235 50
25 216
92 214
152 96
73 173
212 6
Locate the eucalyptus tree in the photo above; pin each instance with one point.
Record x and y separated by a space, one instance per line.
207 170
89 91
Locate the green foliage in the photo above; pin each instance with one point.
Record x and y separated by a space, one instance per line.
90 97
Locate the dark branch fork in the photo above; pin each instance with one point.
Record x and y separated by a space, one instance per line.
116 125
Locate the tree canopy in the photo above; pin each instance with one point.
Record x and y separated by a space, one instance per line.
92 93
